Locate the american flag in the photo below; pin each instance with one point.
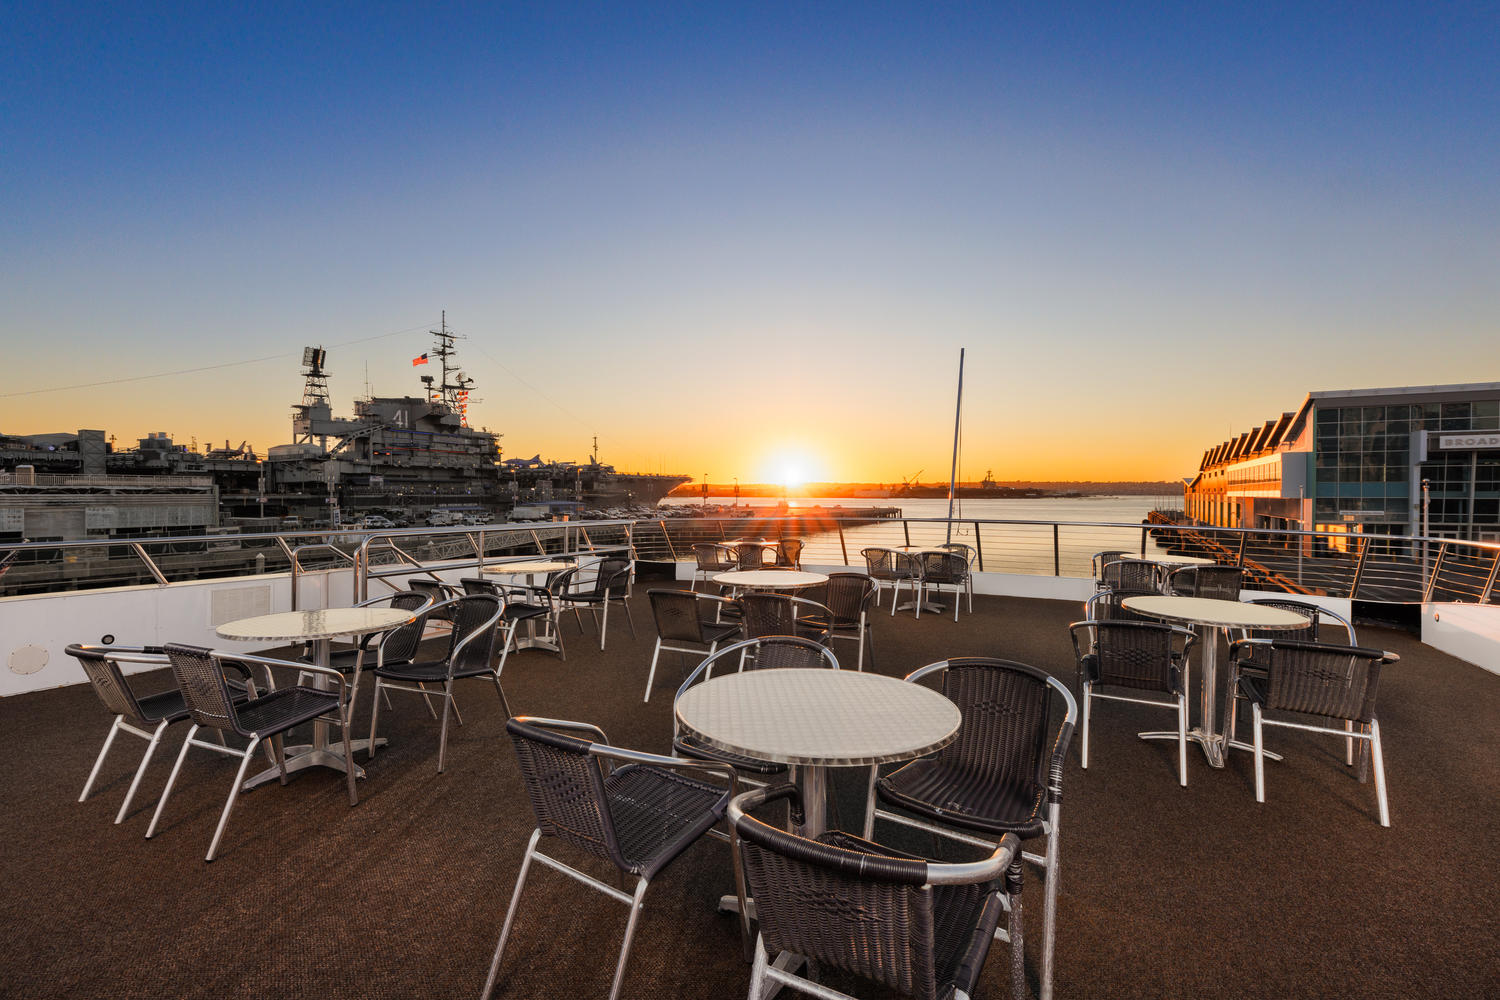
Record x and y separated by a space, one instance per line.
420 359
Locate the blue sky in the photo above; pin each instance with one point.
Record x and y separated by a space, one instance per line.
726 239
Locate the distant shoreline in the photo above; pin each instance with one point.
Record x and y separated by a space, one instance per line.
1019 489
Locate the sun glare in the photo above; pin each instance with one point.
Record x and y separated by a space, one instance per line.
791 475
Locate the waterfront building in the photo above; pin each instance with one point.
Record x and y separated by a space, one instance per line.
1357 461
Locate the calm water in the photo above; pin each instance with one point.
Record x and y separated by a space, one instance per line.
1030 549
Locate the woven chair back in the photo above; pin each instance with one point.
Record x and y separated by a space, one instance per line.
712 557
1108 606
944 567
566 786
560 581
787 652
479 616
109 684
1130 574
400 644
1219 583
1102 559
880 563
768 614
870 916
612 579
753 556
789 553
848 595
1005 736
1311 613
478 585
967 551
1336 682
435 591
676 614
201 681
1135 655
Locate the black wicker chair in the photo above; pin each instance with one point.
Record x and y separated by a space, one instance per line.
147 716
634 811
890 568
944 569
774 652
1139 576
1317 679
920 928
1138 657
530 604
711 558
679 616
1220 583
260 720
1102 559
1314 615
397 645
1002 774
471 651
754 555
848 597
438 593
611 585
788 553
764 614
971 556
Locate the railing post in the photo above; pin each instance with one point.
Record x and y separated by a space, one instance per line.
140 551
1240 557
1057 551
671 549
1359 565
843 547
1489 585
979 546
1432 580
906 528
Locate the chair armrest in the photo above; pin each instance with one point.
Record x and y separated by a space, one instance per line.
970 872
582 727
267 662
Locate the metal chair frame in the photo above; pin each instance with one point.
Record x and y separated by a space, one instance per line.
1369 733
919 876
712 643
789 553
601 594
1314 613
1099 561
856 628
270 739
892 567
1214 579
1049 860
951 564
711 557
541 602
790 612
131 715
486 632
1180 702
753 555
1139 575
971 556
608 757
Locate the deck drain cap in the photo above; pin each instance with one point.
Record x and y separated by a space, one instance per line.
27 659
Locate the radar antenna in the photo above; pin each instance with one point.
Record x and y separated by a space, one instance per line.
453 390
315 390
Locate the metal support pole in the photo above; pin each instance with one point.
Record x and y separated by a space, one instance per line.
1359 566
1437 568
979 546
1056 552
671 549
140 551
842 546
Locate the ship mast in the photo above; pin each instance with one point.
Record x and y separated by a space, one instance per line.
453 391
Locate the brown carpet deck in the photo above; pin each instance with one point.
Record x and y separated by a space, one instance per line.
1166 891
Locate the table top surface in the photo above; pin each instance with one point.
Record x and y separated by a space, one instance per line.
528 568
771 579
1169 560
321 624
818 717
1207 611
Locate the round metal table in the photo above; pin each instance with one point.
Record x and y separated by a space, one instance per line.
1206 616
770 579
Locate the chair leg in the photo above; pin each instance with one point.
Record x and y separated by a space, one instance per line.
278 747
374 718
651 674
234 792
1260 761
1182 727
604 624
171 780
504 701
1088 704
859 663
510 915
870 802
757 971
1052 872
636 905
510 635
109 740
1348 743
1377 760
140 772
958 598
1017 931
345 721
920 589
443 734
629 618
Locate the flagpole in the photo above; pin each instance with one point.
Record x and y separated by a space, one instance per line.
958 410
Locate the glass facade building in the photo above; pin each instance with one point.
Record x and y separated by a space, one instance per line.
1357 461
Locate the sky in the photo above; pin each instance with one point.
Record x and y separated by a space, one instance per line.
750 240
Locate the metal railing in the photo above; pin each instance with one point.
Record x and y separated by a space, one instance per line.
1395 569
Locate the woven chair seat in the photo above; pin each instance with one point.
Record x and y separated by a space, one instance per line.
657 813
719 631
287 707
515 612
691 746
964 918
951 796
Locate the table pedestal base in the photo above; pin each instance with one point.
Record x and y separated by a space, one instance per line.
1212 743
303 757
